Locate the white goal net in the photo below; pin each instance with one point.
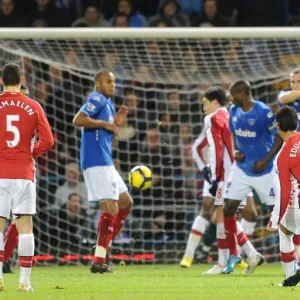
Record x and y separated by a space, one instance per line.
160 79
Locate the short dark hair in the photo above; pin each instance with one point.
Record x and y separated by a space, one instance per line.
296 71
74 194
241 86
216 93
287 118
24 87
11 74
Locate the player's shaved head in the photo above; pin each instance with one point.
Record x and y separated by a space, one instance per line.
241 86
101 73
287 119
11 74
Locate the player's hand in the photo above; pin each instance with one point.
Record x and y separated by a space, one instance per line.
239 156
113 128
213 189
269 228
121 116
259 166
207 174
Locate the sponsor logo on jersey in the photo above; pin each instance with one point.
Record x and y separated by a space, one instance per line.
245 133
251 122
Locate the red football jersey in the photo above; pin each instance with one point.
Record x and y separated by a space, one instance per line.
288 168
21 119
217 136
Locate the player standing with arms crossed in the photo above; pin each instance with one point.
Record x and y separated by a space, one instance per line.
286 213
20 119
252 124
105 185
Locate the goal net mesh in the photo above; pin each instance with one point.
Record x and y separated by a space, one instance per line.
161 82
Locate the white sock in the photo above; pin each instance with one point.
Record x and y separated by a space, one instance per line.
247 246
1 254
223 253
25 249
287 253
198 228
248 227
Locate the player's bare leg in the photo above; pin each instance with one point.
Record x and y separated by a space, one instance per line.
230 223
109 211
287 257
10 243
198 228
25 250
2 225
250 214
223 253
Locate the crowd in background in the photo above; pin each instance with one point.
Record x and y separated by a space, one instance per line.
152 13
162 92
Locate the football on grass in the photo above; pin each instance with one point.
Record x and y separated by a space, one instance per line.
140 177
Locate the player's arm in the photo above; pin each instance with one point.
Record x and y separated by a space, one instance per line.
270 124
197 150
288 97
84 118
44 133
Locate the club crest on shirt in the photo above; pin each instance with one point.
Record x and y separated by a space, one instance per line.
251 122
234 119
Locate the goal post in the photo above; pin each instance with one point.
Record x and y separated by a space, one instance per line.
161 74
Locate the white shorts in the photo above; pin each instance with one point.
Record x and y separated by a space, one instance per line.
103 183
17 196
239 185
291 220
205 190
219 200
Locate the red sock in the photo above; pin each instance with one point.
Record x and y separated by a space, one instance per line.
105 231
121 216
10 241
231 235
25 261
242 238
296 239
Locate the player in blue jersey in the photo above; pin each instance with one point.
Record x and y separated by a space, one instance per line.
256 141
292 97
100 125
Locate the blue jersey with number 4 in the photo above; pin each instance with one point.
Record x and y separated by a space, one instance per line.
254 135
96 144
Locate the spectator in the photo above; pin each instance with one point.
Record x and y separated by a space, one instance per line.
68 226
133 132
190 7
10 15
135 19
92 18
71 185
210 16
163 22
120 20
73 8
178 111
51 15
171 10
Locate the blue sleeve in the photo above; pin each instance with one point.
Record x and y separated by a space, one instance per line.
93 105
270 122
231 115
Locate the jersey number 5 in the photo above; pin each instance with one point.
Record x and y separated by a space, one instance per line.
11 128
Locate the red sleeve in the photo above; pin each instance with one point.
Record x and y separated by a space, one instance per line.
46 140
217 147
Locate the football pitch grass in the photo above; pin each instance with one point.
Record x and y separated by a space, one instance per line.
150 282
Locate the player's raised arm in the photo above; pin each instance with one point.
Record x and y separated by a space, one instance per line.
46 140
286 97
